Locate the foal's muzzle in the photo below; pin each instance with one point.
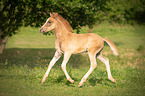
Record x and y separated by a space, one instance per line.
41 31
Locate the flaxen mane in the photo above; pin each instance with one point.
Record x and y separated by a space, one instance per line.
64 21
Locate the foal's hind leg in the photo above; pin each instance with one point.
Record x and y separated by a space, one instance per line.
93 65
52 62
106 62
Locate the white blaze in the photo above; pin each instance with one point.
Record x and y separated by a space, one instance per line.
46 22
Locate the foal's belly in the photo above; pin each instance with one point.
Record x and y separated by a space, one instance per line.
80 50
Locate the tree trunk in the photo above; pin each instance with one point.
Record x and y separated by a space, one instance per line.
2 42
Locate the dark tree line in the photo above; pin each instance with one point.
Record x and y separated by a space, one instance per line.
16 13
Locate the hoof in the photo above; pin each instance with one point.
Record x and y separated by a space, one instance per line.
80 85
42 82
72 81
113 80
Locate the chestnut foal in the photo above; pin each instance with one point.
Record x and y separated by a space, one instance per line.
69 43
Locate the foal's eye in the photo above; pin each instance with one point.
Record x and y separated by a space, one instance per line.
49 22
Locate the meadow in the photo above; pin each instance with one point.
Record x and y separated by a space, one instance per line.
28 53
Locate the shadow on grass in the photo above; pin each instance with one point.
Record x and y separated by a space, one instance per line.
37 57
93 81
59 80
40 57
14 76
62 79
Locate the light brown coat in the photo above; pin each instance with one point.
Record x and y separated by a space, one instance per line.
68 43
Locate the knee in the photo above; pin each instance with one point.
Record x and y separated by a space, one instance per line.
94 65
107 60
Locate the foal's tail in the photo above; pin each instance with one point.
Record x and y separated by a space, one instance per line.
112 46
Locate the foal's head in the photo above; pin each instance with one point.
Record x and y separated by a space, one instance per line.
50 24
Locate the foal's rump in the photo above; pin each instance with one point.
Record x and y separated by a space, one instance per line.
96 43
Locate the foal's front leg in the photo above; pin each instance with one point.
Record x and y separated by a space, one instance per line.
65 60
57 47
52 62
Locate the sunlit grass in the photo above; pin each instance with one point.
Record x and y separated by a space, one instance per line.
28 53
28 37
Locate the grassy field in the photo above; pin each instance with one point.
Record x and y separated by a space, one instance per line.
28 53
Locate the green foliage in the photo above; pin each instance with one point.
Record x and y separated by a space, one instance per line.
78 12
11 16
122 11
15 13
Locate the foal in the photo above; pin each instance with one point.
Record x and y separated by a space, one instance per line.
69 43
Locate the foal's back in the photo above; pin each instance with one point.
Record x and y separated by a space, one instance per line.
81 42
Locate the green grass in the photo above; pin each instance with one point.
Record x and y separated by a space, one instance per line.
28 37
28 53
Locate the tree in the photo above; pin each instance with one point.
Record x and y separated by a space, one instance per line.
11 16
15 13
78 12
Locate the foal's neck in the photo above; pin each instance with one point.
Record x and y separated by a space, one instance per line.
61 31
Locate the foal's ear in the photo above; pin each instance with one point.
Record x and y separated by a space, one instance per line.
55 14
51 15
